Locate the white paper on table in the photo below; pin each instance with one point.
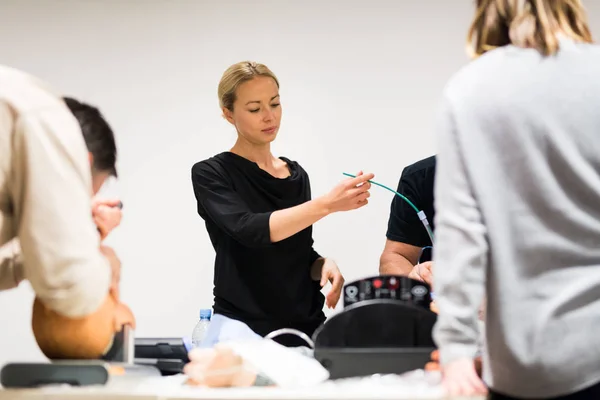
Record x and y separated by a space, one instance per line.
285 366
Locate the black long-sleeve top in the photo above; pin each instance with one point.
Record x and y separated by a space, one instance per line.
263 284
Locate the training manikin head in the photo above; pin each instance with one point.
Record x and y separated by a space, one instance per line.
89 337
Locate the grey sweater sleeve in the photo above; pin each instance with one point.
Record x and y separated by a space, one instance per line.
460 249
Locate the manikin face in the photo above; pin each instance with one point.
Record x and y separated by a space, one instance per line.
256 112
86 338
89 337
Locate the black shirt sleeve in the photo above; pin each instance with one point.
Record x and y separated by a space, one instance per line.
404 225
314 256
219 201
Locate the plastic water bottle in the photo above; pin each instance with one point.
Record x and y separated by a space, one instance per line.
201 327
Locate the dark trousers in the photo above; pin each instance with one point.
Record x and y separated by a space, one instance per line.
590 393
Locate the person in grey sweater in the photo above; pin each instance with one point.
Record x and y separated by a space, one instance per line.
517 198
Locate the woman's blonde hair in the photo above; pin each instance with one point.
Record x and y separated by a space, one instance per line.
526 23
237 74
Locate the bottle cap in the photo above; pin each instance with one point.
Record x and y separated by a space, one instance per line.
205 313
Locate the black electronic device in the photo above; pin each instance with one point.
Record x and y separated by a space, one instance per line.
385 327
390 287
169 355
31 375
69 372
117 363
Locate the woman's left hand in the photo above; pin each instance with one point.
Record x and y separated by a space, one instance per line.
330 272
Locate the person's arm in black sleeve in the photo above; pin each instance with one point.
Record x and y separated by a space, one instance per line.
227 210
316 261
405 234
230 213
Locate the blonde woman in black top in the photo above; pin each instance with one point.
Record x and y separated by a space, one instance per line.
259 215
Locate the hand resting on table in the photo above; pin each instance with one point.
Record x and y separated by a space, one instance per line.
218 367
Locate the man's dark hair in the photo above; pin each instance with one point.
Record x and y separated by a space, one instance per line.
98 135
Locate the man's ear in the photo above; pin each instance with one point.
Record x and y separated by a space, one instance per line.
91 158
228 115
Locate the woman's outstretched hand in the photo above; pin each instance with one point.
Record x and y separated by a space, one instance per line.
350 194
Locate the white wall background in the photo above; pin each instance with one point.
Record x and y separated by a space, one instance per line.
360 82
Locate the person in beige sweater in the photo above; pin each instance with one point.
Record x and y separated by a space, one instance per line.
48 235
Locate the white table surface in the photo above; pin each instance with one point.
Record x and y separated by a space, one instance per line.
414 386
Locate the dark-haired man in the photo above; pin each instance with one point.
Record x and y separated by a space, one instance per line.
46 233
102 151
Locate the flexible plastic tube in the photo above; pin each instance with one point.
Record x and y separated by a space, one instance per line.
420 213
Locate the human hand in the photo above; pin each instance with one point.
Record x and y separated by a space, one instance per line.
107 215
422 272
460 378
433 307
115 266
331 273
434 364
350 194
482 310
218 366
